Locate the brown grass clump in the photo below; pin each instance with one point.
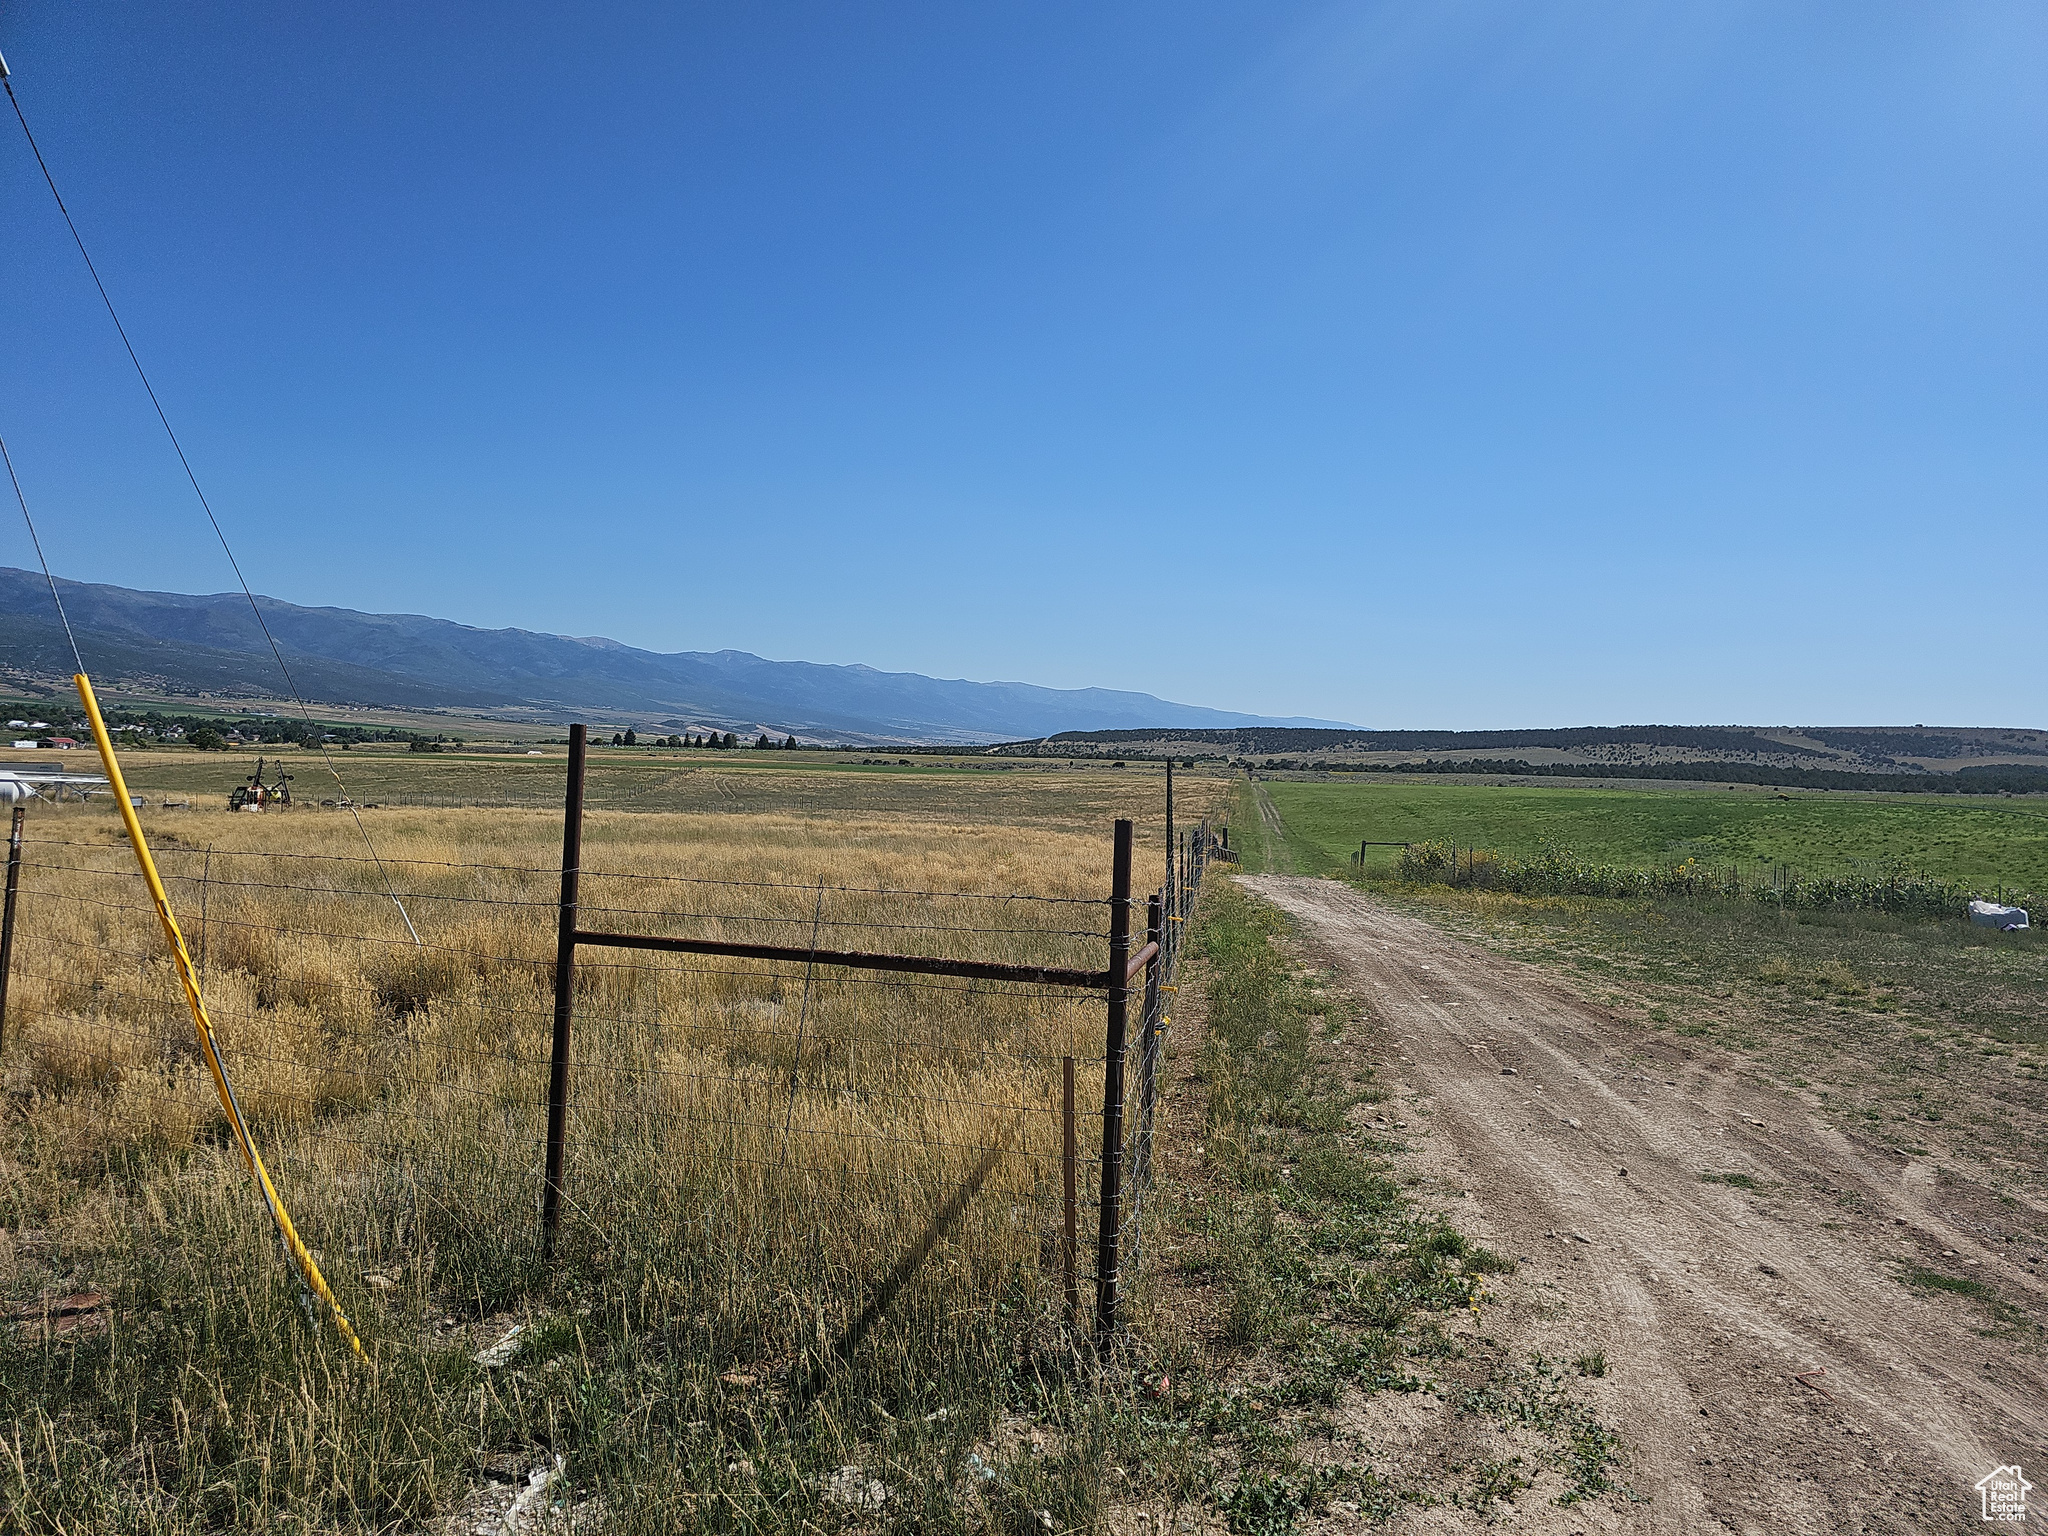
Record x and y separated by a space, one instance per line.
752 1148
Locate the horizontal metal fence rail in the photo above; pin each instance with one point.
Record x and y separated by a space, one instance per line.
852 959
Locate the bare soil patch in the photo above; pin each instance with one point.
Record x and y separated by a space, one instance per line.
1804 1331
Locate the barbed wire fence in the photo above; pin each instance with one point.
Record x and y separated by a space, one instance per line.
617 1059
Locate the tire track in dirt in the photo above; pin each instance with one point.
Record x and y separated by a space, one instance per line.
1709 1300
1278 854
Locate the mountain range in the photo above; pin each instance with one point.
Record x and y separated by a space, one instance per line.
175 646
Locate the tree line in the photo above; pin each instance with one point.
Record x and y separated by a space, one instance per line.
713 740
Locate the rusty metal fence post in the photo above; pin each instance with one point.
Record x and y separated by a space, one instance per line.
1148 1050
1168 912
1148 1061
565 993
7 917
1171 846
1109 1232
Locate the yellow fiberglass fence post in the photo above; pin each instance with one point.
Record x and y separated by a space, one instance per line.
309 1270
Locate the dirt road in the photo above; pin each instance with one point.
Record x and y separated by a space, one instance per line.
1768 1369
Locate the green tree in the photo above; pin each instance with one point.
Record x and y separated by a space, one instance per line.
207 740
631 741
731 740
789 744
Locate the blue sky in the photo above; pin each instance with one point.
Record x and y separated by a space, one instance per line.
1419 364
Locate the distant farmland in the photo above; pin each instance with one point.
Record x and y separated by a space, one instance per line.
1988 841
1915 759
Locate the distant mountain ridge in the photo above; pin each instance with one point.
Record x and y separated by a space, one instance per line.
210 645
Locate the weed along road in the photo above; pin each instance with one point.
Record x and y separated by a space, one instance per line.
1766 1366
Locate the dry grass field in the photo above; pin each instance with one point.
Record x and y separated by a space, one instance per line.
986 791
753 1150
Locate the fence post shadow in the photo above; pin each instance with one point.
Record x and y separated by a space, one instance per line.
942 1222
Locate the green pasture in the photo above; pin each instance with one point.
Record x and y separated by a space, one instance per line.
1988 841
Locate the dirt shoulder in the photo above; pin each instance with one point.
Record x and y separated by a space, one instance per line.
1770 1371
1340 1352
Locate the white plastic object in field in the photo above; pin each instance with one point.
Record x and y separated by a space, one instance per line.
1989 914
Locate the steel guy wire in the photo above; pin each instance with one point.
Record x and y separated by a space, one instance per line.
34 537
179 448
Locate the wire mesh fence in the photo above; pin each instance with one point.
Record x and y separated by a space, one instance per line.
828 1117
